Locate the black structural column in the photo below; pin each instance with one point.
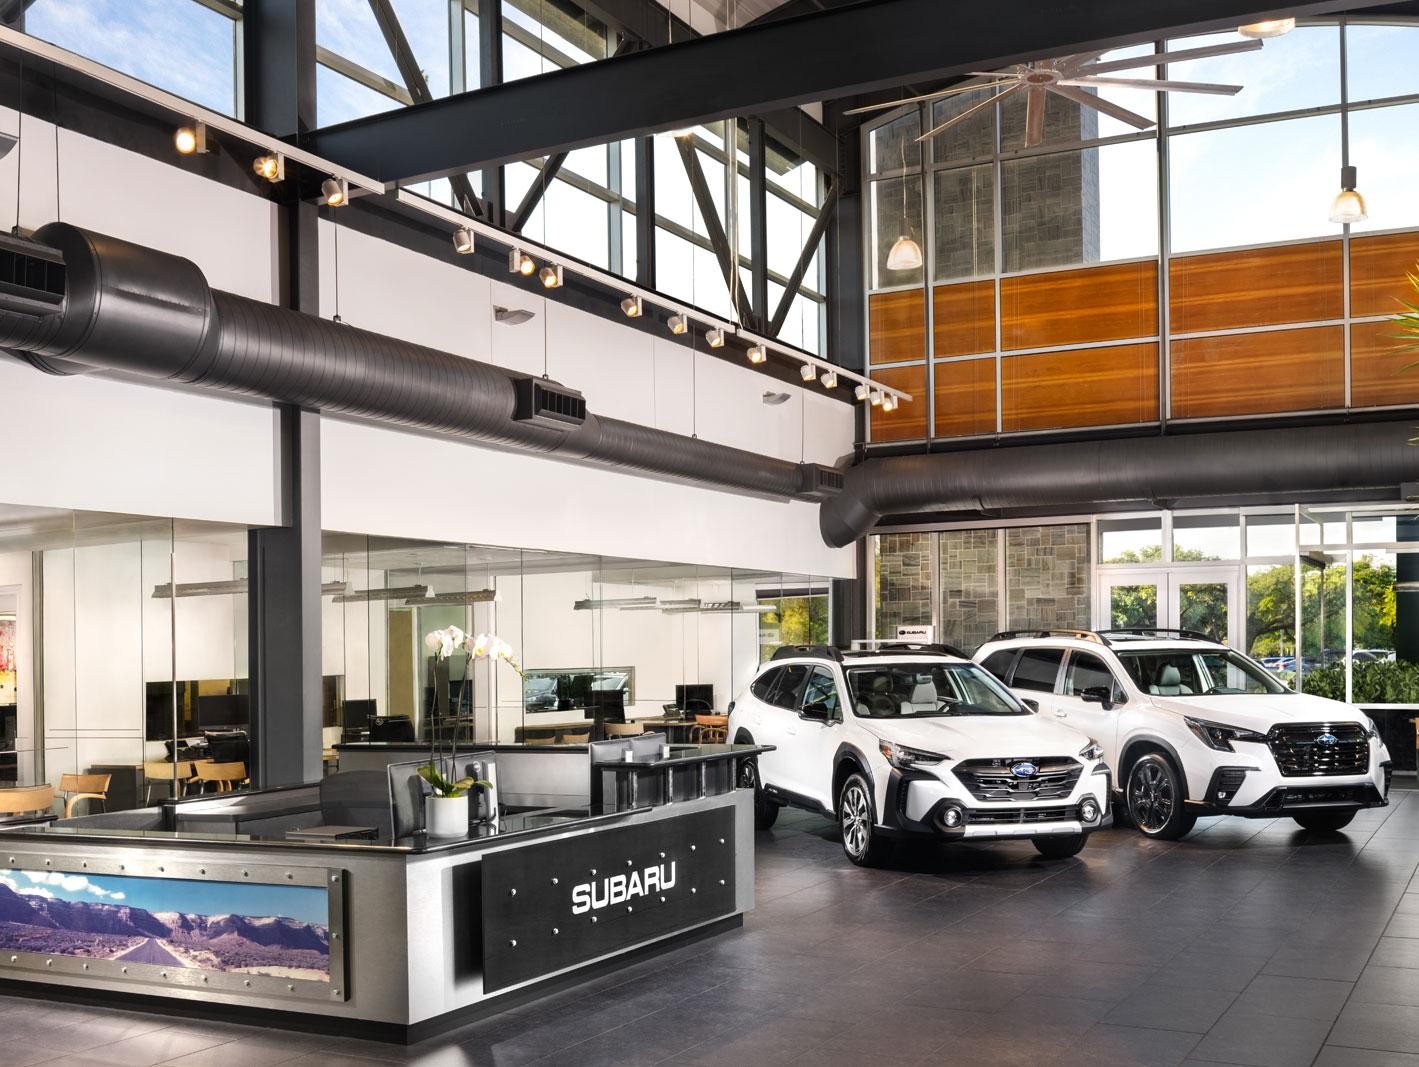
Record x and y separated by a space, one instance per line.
284 562
490 73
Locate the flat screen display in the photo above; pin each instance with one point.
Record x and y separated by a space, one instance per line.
281 931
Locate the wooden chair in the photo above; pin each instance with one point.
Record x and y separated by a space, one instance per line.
625 729
576 739
224 775
540 739
710 729
77 787
38 799
162 771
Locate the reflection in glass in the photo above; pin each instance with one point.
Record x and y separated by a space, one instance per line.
1202 606
965 222
1133 606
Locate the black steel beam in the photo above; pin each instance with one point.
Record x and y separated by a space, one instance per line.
714 229
645 211
810 246
490 73
758 218
278 54
538 190
855 49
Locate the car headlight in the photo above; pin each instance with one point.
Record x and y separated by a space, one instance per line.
905 759
1372 731
1092 751
1215 735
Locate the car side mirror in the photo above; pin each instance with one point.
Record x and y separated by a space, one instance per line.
1031 703
1098 694
817 712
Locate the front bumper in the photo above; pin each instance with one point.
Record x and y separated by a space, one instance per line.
1254 788
916 802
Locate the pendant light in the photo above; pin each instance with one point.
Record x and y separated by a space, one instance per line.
1263 31
1348 205
906 253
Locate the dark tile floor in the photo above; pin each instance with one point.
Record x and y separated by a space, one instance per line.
1246 943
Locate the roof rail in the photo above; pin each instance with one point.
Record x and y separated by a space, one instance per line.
808 651
896 648
1159 631
1079 635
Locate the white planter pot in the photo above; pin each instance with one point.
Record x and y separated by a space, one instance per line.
446 816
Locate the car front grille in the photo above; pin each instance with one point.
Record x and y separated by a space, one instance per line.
993 779
1020 815
1300 754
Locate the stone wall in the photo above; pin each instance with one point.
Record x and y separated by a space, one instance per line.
970 587
904 565
1047 576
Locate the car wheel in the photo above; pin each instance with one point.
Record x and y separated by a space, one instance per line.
1325 820
1154 798
861 841
765 810
1061 847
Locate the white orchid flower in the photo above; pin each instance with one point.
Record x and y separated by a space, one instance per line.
433 640
479 645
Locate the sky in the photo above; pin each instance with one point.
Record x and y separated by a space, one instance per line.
303 903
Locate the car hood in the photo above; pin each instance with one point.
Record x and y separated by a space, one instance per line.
1261 711
982 736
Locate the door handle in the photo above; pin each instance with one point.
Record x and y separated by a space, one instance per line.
1060 713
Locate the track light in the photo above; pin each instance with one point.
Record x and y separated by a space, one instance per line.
877 399
889 402
758 353
551 276
1348 205
272 167
519 262
334 192
830 379
715 337
633 307
678 324
860 391
190 139
808 372
1261 31
463 240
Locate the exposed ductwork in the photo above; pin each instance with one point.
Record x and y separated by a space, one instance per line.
1149 470
136 310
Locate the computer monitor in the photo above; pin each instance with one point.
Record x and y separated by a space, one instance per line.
407 792
695 698
356 714
223 712
391 728
606 705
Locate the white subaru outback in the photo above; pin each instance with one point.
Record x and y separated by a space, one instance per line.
1193 727
914 740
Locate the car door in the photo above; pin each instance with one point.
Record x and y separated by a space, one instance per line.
1084 670
767 725
1036 676
780 716
817 741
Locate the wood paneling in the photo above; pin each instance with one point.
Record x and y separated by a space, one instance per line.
1377 273
1258 373
1107 303
1085 387
908 422
897 326
964 318
1380 373
1257 287
965 397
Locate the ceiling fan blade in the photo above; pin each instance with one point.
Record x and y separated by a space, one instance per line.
914 99
1183 55
1158 85
1034 117
1108 107
1072 63
954 119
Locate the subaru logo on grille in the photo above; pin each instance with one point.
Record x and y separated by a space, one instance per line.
1327 739
1025 769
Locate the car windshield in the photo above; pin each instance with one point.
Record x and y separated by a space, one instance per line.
925 690
1189 672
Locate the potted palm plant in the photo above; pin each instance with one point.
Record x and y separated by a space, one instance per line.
1408 320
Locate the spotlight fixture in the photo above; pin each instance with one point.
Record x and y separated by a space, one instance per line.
1262 31
272 167
757 354
512 316
519 262
774 398
633 306
715 337
551 276
334 192
678 324
889 403
1348 205
190 139
877 399
860 391
829 379
808 372
463 240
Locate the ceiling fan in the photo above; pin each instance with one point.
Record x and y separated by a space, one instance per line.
1069 77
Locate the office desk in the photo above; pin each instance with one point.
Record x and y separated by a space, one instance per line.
698 770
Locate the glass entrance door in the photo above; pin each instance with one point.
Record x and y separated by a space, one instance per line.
1129 599
1185 598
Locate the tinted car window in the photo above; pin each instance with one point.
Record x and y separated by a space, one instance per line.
998 663
822 689
1037 669
763 685
1087 671
790 686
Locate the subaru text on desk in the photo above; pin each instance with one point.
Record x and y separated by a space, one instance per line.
1193 727
914 740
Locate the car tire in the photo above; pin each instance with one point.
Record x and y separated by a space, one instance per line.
1060 847
1154 797
863 844
1325 820
765 810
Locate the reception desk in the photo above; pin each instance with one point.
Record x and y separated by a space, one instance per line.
212 905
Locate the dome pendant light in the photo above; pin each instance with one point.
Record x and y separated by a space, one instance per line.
1263 31
906 253
1348 207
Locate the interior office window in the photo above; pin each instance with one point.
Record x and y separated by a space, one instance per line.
1378 61
182 46
1037 669
965 222
893 146
1246 185
1206 537
1085 206
1381 146
896 209
1299 70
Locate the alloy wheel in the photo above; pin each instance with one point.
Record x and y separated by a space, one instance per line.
1150 797
856 819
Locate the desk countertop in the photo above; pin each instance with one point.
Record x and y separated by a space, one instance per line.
682 755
